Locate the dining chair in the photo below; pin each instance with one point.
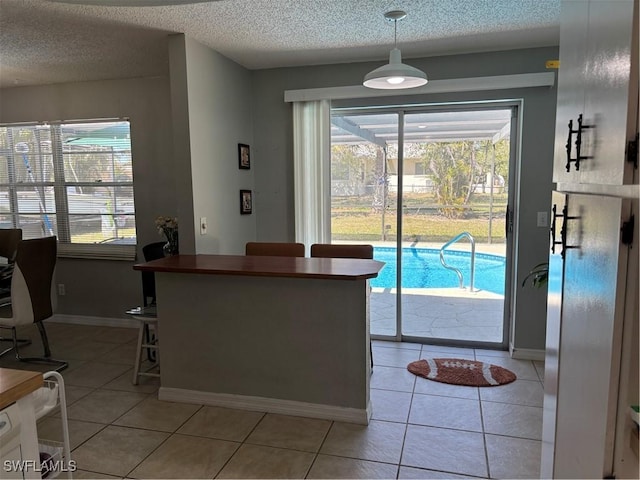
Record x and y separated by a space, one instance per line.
31 294
275 249
151 251
9 239
331 250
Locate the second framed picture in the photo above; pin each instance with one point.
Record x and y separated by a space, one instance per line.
246 202
244 157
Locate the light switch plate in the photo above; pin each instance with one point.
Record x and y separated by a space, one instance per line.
203 225
543 219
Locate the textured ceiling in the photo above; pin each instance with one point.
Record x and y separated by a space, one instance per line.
47 42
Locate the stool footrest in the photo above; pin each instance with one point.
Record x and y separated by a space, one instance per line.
147 318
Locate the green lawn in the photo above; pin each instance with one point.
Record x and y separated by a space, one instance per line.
353 219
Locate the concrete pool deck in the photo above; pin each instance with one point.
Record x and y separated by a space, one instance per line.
444 313
441 313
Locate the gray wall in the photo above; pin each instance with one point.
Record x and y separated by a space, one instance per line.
204 108
208 105
99 287
219 117
274 147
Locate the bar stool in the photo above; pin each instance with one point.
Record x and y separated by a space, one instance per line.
146 316
148 320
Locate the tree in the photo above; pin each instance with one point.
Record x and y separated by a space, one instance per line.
456 167
453 167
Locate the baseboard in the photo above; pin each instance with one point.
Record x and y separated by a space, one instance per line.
526 353
94 321
269 405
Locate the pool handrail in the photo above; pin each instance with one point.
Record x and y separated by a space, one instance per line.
455 239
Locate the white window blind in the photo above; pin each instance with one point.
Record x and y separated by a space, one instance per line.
73 180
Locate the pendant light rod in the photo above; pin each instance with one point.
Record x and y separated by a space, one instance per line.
394 16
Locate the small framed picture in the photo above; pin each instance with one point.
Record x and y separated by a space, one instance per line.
244 158
246 202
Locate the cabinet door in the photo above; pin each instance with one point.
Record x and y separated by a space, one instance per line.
626 463
570 103
595 265
609 103
552 349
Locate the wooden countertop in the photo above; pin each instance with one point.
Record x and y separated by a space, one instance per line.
263 266
15 384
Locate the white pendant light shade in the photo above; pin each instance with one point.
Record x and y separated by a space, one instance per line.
395 74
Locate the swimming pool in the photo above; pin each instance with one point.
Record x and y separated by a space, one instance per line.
421 268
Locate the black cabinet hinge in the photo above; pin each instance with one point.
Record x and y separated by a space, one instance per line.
632 152
626 236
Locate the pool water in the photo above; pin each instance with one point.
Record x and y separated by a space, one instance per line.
421 268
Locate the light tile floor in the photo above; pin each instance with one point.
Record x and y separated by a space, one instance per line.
420 428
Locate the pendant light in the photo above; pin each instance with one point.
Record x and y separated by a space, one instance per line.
395 74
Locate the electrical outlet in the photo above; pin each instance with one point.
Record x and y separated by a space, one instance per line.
61 290
543 219
203 225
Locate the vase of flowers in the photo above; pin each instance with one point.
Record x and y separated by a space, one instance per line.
169 227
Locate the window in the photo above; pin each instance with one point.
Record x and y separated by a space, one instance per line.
73 180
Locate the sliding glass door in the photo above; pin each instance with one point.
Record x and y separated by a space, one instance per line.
364 199
429 188
455 192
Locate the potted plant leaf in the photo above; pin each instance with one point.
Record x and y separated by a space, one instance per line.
538 276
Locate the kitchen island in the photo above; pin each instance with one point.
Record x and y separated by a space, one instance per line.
283 335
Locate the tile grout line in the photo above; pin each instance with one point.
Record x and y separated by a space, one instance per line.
406 423
240 444
484 437
324 439
161 443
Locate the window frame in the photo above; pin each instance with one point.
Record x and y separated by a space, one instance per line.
60 185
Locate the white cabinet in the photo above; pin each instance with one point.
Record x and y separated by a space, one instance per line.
597 109
587 292
552 350
591 364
